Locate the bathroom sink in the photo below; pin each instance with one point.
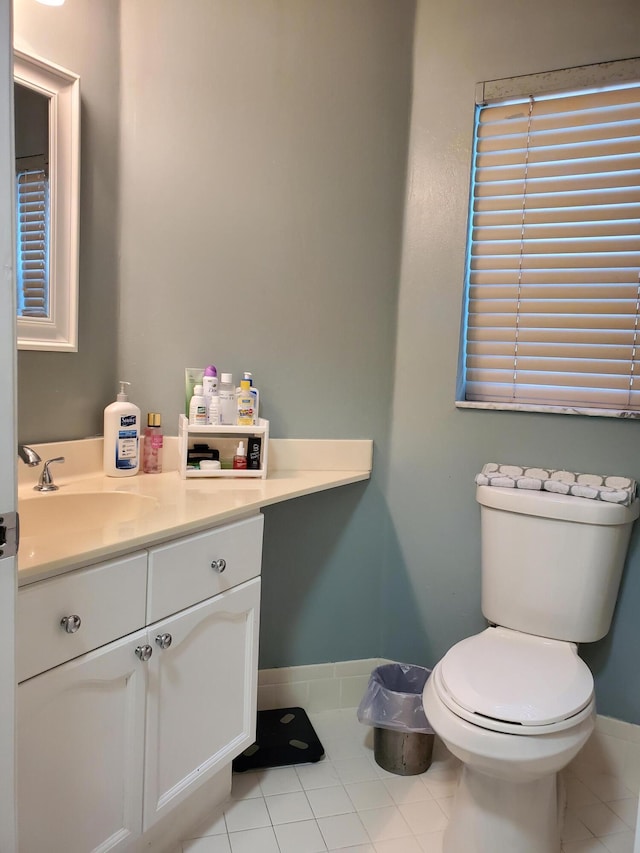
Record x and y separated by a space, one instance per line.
52 515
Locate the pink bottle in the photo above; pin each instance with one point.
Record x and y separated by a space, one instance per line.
152 444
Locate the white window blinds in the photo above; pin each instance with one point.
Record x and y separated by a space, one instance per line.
553 312
32 189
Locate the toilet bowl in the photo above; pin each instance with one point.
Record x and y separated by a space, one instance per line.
515 709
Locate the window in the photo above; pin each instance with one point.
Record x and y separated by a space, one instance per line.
32 232
552 313
47 128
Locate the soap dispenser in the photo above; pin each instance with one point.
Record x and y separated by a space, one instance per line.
121 456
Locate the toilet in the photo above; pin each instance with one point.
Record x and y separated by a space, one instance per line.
515 703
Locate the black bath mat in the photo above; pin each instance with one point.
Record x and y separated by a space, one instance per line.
283 736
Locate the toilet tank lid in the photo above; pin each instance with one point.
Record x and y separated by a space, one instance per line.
552 505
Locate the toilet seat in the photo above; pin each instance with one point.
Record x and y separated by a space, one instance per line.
513 682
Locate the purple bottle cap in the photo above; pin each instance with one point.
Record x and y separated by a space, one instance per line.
210 371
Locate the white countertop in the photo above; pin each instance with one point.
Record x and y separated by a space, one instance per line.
175 506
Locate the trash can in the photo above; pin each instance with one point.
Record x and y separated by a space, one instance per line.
392 704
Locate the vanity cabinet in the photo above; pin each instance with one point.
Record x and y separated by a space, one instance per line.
112 739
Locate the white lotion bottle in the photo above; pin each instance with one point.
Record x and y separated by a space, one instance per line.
121 456
198 415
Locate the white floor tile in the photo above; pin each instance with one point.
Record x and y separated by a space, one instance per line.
606 787
431 842
325 802
407 789
301 837
254 841
352 805
212 844
320 775
398 845
287 808
385 823
245 785
369 795
342 831
214 826
441 784
626 809
246 814
279 780
577 792
574 829
355 770
621 842
599 818
446 804
591 845
424 817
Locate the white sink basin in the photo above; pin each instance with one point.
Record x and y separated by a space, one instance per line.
57 514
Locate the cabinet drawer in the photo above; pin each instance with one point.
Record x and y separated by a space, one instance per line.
194 568
109 599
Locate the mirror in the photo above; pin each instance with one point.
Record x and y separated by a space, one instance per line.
47 139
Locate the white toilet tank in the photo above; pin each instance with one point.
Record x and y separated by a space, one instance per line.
551 564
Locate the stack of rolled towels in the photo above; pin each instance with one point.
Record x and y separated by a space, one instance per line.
619 490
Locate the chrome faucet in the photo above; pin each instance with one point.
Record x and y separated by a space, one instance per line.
45 483
28 455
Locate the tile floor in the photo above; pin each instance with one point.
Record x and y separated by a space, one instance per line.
347 802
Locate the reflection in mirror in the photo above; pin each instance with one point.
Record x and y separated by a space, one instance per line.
32 201
47 142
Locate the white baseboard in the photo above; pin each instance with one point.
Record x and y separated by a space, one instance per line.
613 749
317 687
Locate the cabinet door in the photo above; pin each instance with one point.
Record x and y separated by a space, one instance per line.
201 703
80 752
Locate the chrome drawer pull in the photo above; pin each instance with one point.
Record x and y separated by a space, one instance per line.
144 652
219 565
71 623
164 640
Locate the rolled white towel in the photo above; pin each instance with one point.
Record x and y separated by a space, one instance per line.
529 483
556 486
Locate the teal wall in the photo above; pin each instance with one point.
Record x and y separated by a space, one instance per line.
281 186
431 583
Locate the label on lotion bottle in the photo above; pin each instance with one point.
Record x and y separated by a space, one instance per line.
127 443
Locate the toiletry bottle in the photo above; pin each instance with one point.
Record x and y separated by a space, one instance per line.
256 395
253 452
245 402
152 442
198 408
210 381
213 409
121 457
227 394
240 459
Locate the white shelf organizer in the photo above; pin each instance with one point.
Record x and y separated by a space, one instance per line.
224 439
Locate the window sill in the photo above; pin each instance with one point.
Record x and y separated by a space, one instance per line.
554 410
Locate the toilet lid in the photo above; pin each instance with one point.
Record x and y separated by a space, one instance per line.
513 677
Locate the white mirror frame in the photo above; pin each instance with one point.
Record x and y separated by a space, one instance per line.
59 331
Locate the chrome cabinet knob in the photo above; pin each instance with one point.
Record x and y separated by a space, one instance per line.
71 623
164 640
219 565
144 652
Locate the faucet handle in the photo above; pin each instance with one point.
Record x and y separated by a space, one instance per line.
45 483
